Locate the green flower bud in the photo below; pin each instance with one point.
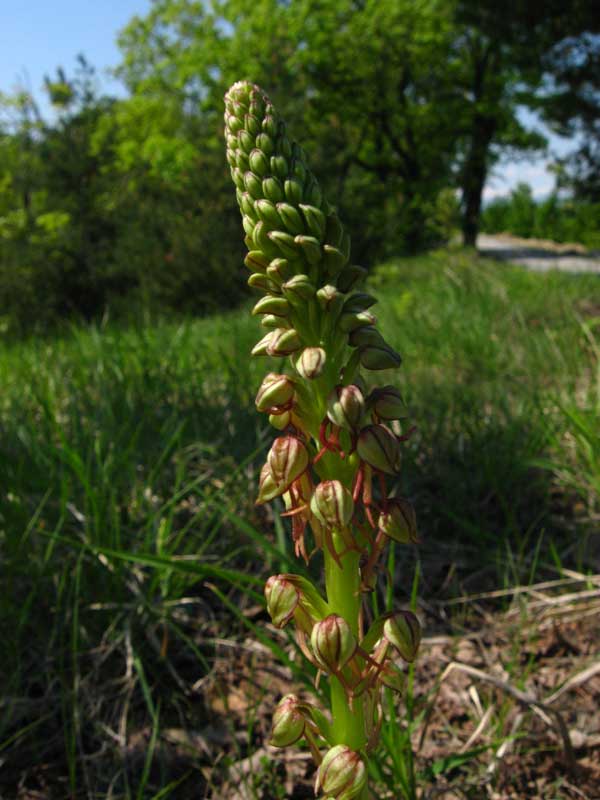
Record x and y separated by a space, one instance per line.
298 289
286 148
358 302
262 242
246 140
268 213
312 193
378 447
272 189
269 125
284 342
287 459
236 99
285 243
279 166
346 407
398 521
242 161
351 321
290 218
311 248
333 643
255 260
330 299
289 722
282 599
259 163
332 504
260 282
342 774
238 178
248 225
279 270
247 206
402 631
265 143
275 391
367 336
268 488
351 277
278 306
261 348
333 260
379 358
233 125
315 220
252 124
387 403
253 185
258 104
272 321
298 170
293 191
311 362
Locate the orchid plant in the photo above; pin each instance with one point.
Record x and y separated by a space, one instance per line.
339 441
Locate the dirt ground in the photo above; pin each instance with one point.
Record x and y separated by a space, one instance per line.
508 707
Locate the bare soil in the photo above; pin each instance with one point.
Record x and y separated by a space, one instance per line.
516 692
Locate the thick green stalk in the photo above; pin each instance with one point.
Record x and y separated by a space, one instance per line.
343 590
344 597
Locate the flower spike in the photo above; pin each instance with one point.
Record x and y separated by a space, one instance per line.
331 460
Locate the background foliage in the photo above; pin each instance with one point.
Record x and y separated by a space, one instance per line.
560 218
122 204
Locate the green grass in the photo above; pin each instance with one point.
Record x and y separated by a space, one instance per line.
128 535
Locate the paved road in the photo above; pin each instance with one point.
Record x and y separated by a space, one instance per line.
536 256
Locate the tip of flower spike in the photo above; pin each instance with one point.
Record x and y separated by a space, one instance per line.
242 89
243 97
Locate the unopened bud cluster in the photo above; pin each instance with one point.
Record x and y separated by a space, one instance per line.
338 434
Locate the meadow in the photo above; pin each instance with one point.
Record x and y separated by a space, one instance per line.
136 651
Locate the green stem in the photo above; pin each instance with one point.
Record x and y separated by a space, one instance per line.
342 586
344 597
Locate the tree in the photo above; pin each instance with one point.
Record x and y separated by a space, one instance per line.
572 108
361 83
508 62
392 106
499 72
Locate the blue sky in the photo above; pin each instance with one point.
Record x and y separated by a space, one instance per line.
40 35
526 169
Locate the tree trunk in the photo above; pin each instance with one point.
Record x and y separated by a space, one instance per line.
474 175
